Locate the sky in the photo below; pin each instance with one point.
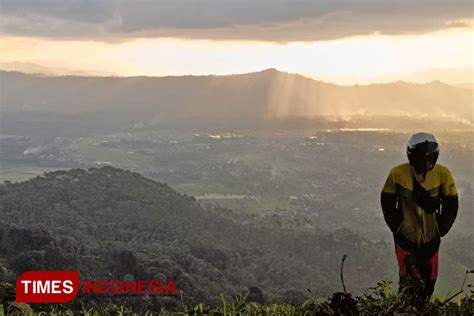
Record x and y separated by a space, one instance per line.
344 42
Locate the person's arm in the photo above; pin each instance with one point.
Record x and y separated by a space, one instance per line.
449 205
391 214
389 201
424 199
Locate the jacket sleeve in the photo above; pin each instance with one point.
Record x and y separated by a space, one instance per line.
424 199
447 216
389 200
449 205
393 217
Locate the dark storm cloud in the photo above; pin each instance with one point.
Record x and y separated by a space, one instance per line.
271 20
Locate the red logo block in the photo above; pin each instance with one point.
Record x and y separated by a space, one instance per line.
47 286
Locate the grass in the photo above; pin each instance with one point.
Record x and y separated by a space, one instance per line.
380 300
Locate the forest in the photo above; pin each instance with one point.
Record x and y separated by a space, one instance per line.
113 223
107 221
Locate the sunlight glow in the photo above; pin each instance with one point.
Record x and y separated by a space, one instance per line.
352 59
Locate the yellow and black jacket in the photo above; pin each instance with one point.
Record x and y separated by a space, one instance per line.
419 213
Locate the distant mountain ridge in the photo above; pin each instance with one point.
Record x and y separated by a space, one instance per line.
264 95
33 68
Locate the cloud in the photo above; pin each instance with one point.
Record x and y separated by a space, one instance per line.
267 20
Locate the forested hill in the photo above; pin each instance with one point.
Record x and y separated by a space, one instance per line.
108 222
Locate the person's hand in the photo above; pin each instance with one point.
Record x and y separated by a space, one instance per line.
424 199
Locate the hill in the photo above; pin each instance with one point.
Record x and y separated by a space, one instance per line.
254 99
109 222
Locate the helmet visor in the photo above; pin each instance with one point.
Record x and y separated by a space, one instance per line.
425 148
423 163
423 156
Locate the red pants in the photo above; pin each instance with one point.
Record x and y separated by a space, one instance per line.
418 271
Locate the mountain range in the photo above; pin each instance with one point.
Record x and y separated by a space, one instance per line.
254 97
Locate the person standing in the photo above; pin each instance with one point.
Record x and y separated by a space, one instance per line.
420 203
